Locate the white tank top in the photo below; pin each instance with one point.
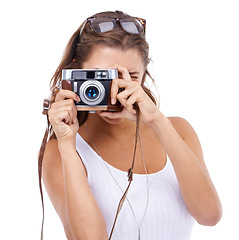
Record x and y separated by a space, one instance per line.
166 218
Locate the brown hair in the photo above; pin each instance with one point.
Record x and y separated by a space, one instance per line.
79 48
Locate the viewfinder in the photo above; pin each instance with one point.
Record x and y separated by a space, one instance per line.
101 74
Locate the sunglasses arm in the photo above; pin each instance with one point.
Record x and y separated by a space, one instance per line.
83 26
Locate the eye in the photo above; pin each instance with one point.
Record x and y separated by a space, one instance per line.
134 75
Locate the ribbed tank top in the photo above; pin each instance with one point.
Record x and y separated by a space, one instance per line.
166 218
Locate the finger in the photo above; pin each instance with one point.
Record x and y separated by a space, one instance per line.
128 105
68 118
123 71
61 103
125 93
134 98
65 105
63 94
119 83
57 117
70 114
114 90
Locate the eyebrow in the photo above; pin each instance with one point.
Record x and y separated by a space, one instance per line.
130 73
134 73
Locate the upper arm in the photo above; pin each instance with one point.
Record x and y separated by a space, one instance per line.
52 174
188 135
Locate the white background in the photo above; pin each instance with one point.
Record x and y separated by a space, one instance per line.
195 48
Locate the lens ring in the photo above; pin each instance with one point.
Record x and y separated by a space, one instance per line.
84 92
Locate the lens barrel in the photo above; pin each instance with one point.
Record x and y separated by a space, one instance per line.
92 92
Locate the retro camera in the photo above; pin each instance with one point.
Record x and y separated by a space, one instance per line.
93 88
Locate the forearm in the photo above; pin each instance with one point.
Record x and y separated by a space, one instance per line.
83 218
194 181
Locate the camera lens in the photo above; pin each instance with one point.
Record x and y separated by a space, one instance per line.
92 92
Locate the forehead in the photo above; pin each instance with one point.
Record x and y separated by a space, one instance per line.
105 57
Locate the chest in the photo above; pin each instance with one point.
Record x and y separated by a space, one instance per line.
159 192
150 154
165 206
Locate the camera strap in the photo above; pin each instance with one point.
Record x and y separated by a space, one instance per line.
40 160
130 171
46 106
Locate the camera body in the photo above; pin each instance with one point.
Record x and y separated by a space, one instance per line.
92 86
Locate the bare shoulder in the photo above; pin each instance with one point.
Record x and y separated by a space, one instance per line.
182 126
188 135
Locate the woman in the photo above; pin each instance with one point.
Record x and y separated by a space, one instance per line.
86 161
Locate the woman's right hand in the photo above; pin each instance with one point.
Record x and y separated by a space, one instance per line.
63 116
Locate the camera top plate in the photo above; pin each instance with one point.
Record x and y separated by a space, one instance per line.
85 74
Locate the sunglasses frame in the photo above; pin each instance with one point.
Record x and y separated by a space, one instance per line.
114 20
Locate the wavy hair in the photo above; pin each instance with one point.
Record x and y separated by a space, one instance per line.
79 49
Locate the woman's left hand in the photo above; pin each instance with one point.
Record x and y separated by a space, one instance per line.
132 93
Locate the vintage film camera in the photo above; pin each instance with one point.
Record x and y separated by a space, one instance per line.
93 88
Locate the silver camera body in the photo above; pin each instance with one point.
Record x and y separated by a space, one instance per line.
92 86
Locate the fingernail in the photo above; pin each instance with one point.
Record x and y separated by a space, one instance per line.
113 101
78 99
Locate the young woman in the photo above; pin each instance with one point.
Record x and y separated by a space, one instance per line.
87 158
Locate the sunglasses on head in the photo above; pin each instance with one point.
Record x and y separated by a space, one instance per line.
131 25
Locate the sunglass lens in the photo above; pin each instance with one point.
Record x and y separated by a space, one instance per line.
101 25
132 25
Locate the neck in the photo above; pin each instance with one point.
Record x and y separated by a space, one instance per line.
115 129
